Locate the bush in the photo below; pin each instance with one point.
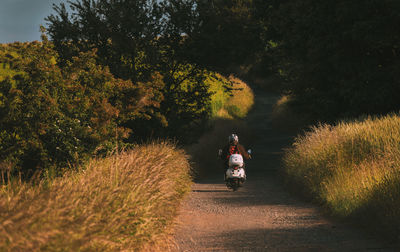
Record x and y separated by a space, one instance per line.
220 89
121 202
53 117
231 99
335 55
352 168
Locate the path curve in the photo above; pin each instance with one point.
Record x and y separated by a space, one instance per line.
261 216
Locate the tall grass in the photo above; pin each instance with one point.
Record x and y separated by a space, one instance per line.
217 85
231 99
242 99
122 202
353 168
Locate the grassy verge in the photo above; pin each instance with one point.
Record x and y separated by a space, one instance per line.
353 169
122 202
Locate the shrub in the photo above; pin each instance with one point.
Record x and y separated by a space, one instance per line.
121 202
352 168
220 89
241 99
231 99
53 117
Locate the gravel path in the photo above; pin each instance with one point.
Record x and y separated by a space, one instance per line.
261 216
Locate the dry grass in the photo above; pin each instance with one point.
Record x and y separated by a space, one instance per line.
217 84
241 101
123 202
230 106
353 168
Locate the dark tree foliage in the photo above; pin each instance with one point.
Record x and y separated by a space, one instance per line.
56 117
339 58
226 34
122 31
186 97
137 40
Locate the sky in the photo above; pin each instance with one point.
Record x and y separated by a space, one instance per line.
20 20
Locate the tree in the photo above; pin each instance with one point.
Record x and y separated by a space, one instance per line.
122 31
138 40
340 58
56 117
226 34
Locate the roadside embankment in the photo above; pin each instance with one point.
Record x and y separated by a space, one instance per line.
353 169
122 202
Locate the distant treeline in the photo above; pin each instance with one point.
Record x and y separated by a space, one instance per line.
339 58
336 58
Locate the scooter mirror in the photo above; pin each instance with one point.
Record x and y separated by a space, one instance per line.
219 152
249 151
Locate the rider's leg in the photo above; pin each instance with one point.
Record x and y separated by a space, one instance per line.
225 168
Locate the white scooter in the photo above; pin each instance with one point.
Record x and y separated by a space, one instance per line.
235 175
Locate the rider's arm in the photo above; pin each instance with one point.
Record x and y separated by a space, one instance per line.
224 152
243 152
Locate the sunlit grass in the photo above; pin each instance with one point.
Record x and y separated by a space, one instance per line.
352 168
122 202
217 84
226 105
242 99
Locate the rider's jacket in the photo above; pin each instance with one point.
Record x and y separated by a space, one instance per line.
228 150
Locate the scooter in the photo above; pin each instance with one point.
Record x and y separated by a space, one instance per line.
235 175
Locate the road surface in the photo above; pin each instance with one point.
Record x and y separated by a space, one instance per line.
262 216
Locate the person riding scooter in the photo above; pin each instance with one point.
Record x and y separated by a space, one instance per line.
233 148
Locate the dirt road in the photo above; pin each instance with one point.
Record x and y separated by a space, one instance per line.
261 216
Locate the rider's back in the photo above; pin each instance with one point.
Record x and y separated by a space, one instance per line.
230 149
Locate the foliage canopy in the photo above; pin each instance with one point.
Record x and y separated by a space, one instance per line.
52 116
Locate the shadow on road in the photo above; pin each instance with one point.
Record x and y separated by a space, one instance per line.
314 238
261 191
208 191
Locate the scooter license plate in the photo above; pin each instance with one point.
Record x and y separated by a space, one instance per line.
235 173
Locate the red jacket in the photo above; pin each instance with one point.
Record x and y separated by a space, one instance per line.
228 150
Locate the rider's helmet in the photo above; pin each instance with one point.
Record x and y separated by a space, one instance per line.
233 139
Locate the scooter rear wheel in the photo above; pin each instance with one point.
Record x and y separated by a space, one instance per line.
235 184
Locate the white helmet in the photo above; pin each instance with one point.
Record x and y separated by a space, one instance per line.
233 138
